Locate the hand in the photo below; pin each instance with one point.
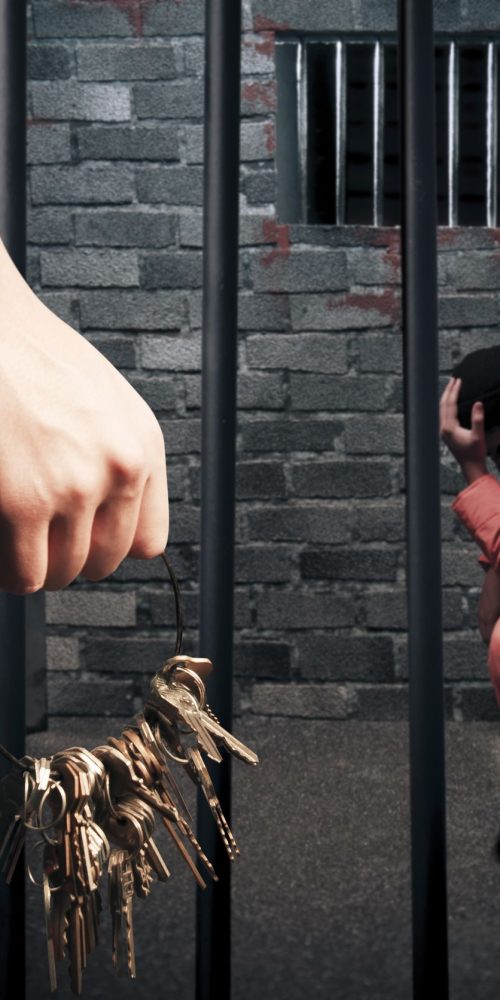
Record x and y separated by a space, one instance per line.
468 446
488 611
83 477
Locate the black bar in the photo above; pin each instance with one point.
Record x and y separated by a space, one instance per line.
12 608
219 361
420 338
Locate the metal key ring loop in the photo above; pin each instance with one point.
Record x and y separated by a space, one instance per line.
55 888
163 747
47 826
192 673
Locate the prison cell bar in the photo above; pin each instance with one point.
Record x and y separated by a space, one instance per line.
12 607
422 461
218 420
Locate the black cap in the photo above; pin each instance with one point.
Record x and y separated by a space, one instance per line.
480 374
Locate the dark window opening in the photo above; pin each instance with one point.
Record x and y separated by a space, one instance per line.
338 131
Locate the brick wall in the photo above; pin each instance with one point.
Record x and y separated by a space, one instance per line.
115 149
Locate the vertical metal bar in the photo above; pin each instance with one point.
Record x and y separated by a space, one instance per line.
453 91
219 359
378 133
12 608
289 194
301 81
491 135
422 465
340 129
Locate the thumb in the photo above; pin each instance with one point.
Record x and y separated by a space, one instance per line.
477 417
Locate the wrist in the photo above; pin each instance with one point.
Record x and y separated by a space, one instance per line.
474 470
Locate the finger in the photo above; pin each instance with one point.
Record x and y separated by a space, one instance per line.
23 544
448 412
477 418
151 534
113 530
68 545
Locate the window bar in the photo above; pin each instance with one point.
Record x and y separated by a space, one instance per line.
218 421
340 131
423 517
301 74
491 136
378 132
14 610
453 137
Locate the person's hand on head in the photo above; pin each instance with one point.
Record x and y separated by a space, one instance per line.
83 480
467 445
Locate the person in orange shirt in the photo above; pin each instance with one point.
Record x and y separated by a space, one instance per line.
470 427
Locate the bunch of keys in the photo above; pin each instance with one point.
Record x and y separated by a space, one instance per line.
104 803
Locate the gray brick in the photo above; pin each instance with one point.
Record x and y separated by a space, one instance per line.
351 563
83 184
379 522
464 658
266 563
62 652
171 185
259 187
374 435
289 435
49 62
61 303
136 61
371 266
122 655
176 99
53 20
175 19
262 660
478 702
294 15
328 523
257 54
90 267
159 391
107 102
451 479
346 658
341 479
463 310
258 97
259 391
48 143
49 225
383 703
474 269
69 697
332 392
306 701
182 436
263 312
193 51
355 311
255 228
379 352
292 609
472 340
139 142
460 566
257 142
120 351
184 524
260 479
126 227
171 353
300 352
131 310
387 609
163 615
298 271
172 270
81 607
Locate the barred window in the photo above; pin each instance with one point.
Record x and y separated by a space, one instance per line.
338 131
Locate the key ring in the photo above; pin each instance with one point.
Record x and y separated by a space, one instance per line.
41 885
192 673
39 812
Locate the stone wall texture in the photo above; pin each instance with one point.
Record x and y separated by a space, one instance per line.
115 191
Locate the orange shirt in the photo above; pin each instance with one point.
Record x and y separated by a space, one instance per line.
478 507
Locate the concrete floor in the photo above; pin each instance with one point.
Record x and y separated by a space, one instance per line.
321 891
